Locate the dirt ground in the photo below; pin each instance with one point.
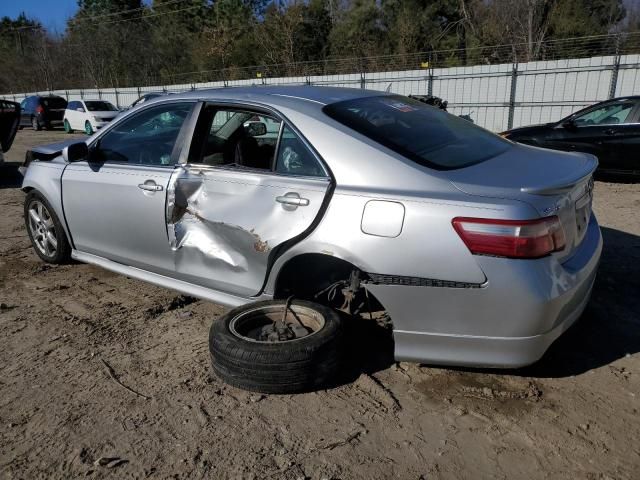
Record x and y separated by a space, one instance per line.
572 415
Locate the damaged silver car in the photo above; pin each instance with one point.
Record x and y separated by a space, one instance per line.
288 203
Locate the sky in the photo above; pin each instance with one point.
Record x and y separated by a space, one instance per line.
53 14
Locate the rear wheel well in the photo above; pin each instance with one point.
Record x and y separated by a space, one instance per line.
322 278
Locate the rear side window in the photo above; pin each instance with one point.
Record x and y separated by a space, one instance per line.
424 134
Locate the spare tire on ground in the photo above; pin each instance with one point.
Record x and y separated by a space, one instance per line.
257 347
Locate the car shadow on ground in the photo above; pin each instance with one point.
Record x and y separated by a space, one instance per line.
10 177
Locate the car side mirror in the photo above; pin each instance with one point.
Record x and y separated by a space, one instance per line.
75 152
256 129
569 124
80 109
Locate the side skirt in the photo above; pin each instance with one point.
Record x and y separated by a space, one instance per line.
166 282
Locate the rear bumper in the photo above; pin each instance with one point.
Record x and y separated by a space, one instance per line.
510 321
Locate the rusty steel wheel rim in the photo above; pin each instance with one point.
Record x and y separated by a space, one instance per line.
256 325
42 229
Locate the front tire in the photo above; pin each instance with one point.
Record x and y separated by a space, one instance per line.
47 236
247 350
67 127
88 129
35 124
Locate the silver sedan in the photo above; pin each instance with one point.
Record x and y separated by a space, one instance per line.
482 251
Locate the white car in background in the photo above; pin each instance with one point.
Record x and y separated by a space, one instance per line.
88 115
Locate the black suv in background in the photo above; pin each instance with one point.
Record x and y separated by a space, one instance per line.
39 111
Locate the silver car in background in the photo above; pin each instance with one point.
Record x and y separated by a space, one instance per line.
482 251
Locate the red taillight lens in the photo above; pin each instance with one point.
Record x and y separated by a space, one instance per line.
39 109
511 238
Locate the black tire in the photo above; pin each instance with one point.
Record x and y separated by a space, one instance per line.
67 126
300 365
35 124
62 253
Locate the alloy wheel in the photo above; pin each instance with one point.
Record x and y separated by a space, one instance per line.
42 229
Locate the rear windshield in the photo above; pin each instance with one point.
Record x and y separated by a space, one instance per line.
94 106
54 102
422 133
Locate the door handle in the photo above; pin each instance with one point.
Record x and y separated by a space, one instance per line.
609 131
292 198
151 187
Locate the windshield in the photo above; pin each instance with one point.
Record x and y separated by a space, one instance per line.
94 106
54 102
422 133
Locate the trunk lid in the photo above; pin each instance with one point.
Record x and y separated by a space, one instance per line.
552 182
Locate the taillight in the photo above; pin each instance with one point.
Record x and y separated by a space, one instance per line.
511 238
39 109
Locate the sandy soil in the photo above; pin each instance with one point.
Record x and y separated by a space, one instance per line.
572 415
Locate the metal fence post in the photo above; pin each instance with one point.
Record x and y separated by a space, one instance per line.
139 92
115 90
430 82
81 93
512 95
616 69
363 81
66 93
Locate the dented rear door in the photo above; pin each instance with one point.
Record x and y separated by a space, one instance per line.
227 225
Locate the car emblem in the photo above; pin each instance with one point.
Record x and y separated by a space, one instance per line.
551 209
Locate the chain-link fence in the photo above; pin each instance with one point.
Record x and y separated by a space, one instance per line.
499 87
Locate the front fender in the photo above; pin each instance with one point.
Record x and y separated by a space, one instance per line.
46 178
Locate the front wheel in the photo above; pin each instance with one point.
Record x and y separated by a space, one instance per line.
45 231
67 127
277 346
88 129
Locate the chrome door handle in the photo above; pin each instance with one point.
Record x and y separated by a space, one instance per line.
151 187
293 199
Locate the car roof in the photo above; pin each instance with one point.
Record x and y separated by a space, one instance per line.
282 95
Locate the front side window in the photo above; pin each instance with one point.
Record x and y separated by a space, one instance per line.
607 115
147 138
419 132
